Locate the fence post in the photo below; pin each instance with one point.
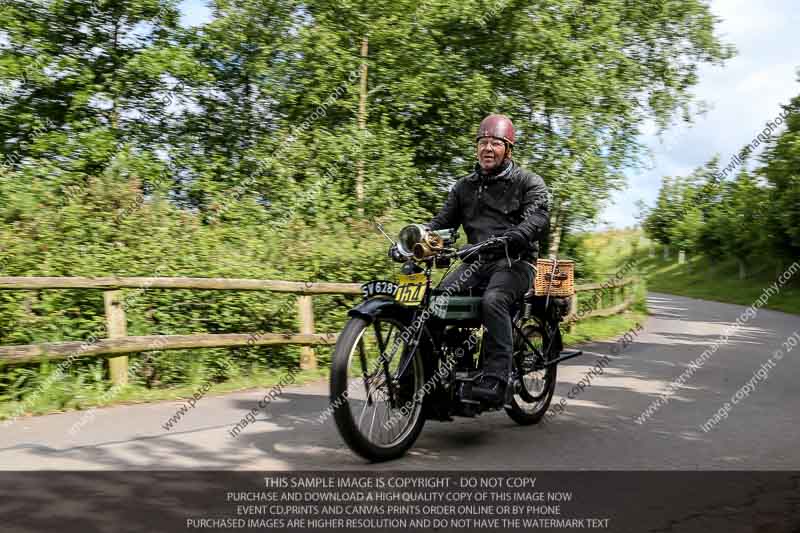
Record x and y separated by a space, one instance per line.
305 314
573 311
116 326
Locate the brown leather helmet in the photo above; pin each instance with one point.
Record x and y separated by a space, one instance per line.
499 126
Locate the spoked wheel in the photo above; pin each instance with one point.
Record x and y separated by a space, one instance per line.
531 349
378 410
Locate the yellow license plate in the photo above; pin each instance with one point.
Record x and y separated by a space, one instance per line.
411 288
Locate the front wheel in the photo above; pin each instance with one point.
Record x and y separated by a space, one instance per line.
377 409
529 404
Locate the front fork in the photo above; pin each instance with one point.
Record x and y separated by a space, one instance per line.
416 334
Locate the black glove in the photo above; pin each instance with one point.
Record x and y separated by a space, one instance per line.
394 253
517 242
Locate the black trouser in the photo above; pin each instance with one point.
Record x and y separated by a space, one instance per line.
503 286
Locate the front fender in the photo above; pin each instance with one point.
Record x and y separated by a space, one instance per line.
374 307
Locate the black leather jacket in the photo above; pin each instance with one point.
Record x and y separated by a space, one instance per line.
488 205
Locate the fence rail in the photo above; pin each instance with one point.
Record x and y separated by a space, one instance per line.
220 284
118 342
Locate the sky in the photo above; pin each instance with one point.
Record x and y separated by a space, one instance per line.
740 96
194 12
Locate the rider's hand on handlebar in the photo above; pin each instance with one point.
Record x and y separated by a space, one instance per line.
470 252
494 243
516 240
395 254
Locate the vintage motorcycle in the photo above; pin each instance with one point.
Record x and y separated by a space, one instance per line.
409 351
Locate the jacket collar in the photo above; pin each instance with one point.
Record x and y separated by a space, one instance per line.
503 173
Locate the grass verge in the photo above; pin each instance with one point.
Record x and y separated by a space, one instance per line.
605 328
719 281
131 394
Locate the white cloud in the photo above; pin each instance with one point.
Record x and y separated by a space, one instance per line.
195 12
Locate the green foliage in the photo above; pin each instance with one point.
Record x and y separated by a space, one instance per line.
603 254
574 248
682 206
781 168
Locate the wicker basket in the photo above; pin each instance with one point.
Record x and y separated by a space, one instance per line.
560 284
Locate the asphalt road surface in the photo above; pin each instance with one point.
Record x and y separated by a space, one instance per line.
597 431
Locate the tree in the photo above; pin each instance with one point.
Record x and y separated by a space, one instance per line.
92 69
781 168
667 211
739 222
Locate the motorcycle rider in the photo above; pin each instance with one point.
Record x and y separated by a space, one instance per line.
498 198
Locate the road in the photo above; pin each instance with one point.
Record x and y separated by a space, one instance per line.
597 431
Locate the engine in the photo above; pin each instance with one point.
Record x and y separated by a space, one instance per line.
461 345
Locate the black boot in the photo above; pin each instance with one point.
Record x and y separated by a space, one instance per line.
490 389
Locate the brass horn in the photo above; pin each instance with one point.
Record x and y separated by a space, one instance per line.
418 241
430 245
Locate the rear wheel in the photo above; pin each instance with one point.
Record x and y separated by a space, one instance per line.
538 382
377 408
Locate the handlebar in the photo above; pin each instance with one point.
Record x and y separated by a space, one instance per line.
469 250
449 253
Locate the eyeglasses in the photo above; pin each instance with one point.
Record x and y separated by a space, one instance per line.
494 143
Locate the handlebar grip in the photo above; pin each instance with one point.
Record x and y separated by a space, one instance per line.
395 255
485 244
466 250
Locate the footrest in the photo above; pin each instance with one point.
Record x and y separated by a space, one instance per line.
465 376
566 354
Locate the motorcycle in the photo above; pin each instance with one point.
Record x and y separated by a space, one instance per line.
409 351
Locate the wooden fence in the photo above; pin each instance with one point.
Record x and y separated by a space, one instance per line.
118 343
